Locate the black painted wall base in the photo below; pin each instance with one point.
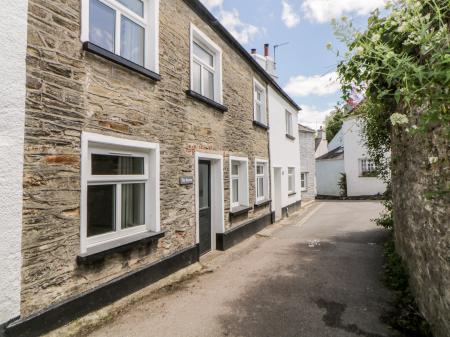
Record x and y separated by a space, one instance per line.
232 237
57 315
292 208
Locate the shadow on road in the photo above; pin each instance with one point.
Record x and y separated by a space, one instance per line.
329 288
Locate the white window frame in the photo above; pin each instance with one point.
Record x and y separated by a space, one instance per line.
100 144
265 177
197 36
304 181
242 182
150 23
366 165
289 175
257 86
289 123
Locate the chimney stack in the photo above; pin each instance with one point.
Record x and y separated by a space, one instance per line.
266 50
253 51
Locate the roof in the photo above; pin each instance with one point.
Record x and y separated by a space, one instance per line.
304 128
211 20
337 153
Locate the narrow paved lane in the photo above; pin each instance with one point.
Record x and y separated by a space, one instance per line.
315 274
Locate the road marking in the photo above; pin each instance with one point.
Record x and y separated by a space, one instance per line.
308 216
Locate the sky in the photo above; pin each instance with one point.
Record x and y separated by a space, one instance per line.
306 69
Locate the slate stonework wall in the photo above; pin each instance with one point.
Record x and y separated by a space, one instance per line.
422 225
70 91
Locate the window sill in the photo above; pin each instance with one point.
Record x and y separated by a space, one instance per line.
263 203
207 100
261 125
304 190
290 137
291 194
94 49
99 252
239 210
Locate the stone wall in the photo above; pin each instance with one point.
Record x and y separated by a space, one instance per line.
422 221
70 91
308 163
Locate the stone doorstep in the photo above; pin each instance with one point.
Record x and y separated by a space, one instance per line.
207 264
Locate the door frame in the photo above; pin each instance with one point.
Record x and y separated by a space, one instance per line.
217 196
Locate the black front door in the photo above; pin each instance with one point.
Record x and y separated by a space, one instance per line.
204 197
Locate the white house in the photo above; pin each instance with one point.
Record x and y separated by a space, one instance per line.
284 155
283 143
348 154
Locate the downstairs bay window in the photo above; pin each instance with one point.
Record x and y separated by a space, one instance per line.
120 190
238 183
262 180
291 180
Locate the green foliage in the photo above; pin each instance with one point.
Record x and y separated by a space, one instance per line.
405 316
401 63
342 183
333 123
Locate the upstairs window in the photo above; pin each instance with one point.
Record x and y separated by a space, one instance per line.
128 28
289 124
291 180
260 103
262 180
238 182
206 63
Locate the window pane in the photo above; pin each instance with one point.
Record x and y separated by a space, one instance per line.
203 55
259 112
136 6
101 210
208 84
102 21
260 169
133 205
203 190
196 76
260 187
132 41
117 165
234 169
235 188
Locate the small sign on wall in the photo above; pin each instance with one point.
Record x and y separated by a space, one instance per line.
186 180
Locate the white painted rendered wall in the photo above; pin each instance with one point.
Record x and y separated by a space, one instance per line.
284 152
13 41
355 150
328 174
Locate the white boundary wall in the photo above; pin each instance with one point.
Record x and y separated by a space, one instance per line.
13 41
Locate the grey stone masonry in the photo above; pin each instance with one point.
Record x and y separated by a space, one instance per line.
306 138
70 91
420 178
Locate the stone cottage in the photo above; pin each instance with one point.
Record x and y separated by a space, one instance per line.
306 138
140 151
